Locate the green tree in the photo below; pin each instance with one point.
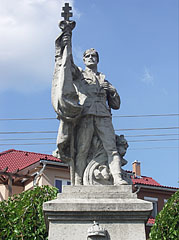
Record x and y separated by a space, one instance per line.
166 225
21 216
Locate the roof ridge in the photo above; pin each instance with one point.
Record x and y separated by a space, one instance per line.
14 150
164 186
148 184
129 171
41 154
7 151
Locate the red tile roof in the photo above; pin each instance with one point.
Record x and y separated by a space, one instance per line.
143 180
146 181
16 159
151 220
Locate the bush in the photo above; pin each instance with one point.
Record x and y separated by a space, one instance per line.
166 225
21 216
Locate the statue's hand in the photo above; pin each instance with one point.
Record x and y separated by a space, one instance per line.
108 87
63 40
66 39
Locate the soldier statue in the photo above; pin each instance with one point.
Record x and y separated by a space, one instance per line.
82 100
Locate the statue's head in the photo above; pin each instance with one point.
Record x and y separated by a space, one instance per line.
90 57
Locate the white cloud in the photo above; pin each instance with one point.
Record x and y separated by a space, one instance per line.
147 77
28 29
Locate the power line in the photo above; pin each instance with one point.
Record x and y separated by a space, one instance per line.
127 136
140 148
26 139
149 115
149 140
139 129
28 132
26 119
17 144
150 148
124 129
153 135
122 116
155 140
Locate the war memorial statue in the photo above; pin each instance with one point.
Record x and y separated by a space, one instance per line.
82 100
100 204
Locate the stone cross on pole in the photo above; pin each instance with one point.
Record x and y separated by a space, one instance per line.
66 12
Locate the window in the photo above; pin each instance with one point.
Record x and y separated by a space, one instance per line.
155 205
60 182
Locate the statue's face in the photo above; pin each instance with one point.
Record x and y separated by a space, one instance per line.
90 59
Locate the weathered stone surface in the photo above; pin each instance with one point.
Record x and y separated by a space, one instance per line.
83 100
115 208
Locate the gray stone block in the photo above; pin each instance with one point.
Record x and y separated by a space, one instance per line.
116 209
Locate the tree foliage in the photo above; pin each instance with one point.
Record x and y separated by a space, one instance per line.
166 225
21 216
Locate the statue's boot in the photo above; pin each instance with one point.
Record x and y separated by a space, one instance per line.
118 179
115 168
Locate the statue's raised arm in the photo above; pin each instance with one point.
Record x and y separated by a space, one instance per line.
64 96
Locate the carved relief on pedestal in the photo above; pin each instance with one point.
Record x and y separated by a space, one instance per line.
96 232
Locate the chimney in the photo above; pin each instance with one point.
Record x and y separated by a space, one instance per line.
136 168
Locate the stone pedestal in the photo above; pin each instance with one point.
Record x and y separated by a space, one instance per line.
97 212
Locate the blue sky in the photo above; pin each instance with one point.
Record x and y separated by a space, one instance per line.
137 41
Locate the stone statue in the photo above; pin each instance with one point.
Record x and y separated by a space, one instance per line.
82 100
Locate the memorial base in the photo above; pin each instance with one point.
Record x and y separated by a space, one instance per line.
97 212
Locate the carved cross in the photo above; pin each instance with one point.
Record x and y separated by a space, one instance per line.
67 14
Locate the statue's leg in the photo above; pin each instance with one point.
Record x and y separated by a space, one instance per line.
105 131
85 130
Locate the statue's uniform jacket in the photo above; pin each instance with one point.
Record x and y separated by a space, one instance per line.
95 117
90 88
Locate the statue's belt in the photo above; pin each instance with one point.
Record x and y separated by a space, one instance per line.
96 98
